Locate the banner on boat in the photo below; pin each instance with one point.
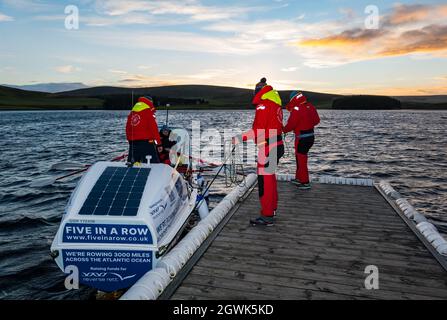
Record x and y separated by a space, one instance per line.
108 270
106 233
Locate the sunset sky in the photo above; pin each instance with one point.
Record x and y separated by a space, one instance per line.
309 45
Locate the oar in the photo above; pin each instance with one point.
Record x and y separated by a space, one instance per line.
49 181
67 166
201 161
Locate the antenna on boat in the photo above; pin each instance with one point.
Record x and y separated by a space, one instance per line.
167 114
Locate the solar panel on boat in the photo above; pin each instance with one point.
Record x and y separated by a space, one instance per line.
117 192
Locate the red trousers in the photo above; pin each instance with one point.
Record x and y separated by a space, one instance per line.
302 171
302 147
268 159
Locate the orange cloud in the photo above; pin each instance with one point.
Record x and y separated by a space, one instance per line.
408 14
426 40
354 37
407 30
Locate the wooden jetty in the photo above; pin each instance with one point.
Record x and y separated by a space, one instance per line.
322 241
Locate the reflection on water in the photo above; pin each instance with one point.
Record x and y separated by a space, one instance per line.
407 148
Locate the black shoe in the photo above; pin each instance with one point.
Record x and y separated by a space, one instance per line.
304 186
262 221
301 186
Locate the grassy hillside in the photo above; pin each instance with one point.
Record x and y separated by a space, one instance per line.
20 99
438 102
215 97
366 102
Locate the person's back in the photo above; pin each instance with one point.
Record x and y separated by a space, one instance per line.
302 121
304 115
268 117
142 132
139 124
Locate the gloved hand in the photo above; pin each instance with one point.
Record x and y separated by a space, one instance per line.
237 139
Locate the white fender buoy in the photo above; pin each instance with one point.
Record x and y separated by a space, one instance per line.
427 229
433 236
346 181
424 226
150 286
418 218
395 195
171 265
442 249
439 242
203 207
410 212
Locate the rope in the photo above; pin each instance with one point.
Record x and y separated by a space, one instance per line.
222 167
234 172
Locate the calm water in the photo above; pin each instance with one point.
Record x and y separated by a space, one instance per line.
407 148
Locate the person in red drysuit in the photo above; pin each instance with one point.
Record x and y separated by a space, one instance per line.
142 132
267 134
303 118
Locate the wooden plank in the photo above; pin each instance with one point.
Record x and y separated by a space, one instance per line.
317 262
354 246
294 286
213 293
269 290
374 243
318 249
326 253
351 283
322 232
349 274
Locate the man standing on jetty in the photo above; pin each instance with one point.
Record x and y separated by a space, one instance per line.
303 118
142 132
267 134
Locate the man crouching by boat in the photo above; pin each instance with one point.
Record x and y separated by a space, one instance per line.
267 134
142 132
165 147
303 118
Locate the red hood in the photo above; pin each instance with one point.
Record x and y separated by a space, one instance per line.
300 98
258 97
297 100
149 103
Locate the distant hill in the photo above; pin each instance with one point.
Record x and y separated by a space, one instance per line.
50 87
183 97
216 96
366 102
424 102
17 99
423 99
